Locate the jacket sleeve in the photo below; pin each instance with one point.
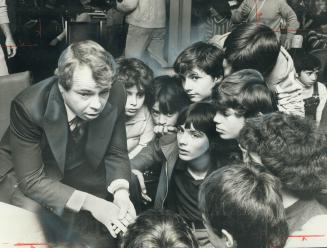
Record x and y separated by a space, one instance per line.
148 156
25 138
116 159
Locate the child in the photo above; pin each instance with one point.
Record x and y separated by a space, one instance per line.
314 93
188 164
167 101
242 207
201 67
241 95
255 46
137 77
292 150
159 229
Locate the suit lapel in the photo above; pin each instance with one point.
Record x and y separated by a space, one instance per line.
55 125
99 134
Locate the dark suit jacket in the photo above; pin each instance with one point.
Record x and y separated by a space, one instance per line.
38 139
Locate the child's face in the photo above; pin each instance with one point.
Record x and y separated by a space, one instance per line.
163 119
308 77
134 101
198 85
192 143
228 124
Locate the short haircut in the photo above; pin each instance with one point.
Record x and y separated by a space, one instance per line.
244 91
252 46
85 53
169 93
305 62
134 72
245 201
291 148
201 55
159 229
200 115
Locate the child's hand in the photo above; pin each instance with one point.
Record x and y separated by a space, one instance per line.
140 178
163 129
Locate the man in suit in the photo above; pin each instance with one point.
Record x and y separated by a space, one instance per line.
67 140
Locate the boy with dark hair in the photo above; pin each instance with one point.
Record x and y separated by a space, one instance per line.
241 95
255 46
314 93
292 150
137 77
242 207
200 65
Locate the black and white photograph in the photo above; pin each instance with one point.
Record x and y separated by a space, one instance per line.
163 123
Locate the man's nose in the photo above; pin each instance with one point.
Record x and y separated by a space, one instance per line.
96 103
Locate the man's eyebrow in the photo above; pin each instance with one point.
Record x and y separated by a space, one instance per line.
84 90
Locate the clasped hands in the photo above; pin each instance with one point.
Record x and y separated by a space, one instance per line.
116 215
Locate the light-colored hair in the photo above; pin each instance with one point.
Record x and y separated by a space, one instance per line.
85 53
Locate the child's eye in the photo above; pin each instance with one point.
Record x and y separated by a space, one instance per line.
196 134
194 78
154 112
170 115
140 94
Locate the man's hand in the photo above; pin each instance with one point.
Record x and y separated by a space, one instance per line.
105 212
140 178
163 129
127 212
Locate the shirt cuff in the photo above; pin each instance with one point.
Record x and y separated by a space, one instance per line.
118 184
76 201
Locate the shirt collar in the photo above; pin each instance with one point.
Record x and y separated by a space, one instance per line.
70 115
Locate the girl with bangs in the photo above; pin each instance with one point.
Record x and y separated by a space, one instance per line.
189 163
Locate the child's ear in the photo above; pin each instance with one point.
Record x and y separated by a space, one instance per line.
218 80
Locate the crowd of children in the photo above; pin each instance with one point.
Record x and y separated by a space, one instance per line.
232 145
230 150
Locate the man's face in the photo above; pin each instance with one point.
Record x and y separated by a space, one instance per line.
85 98
308 77
228 124
227 68
198 85
134 101
163 119
192 143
